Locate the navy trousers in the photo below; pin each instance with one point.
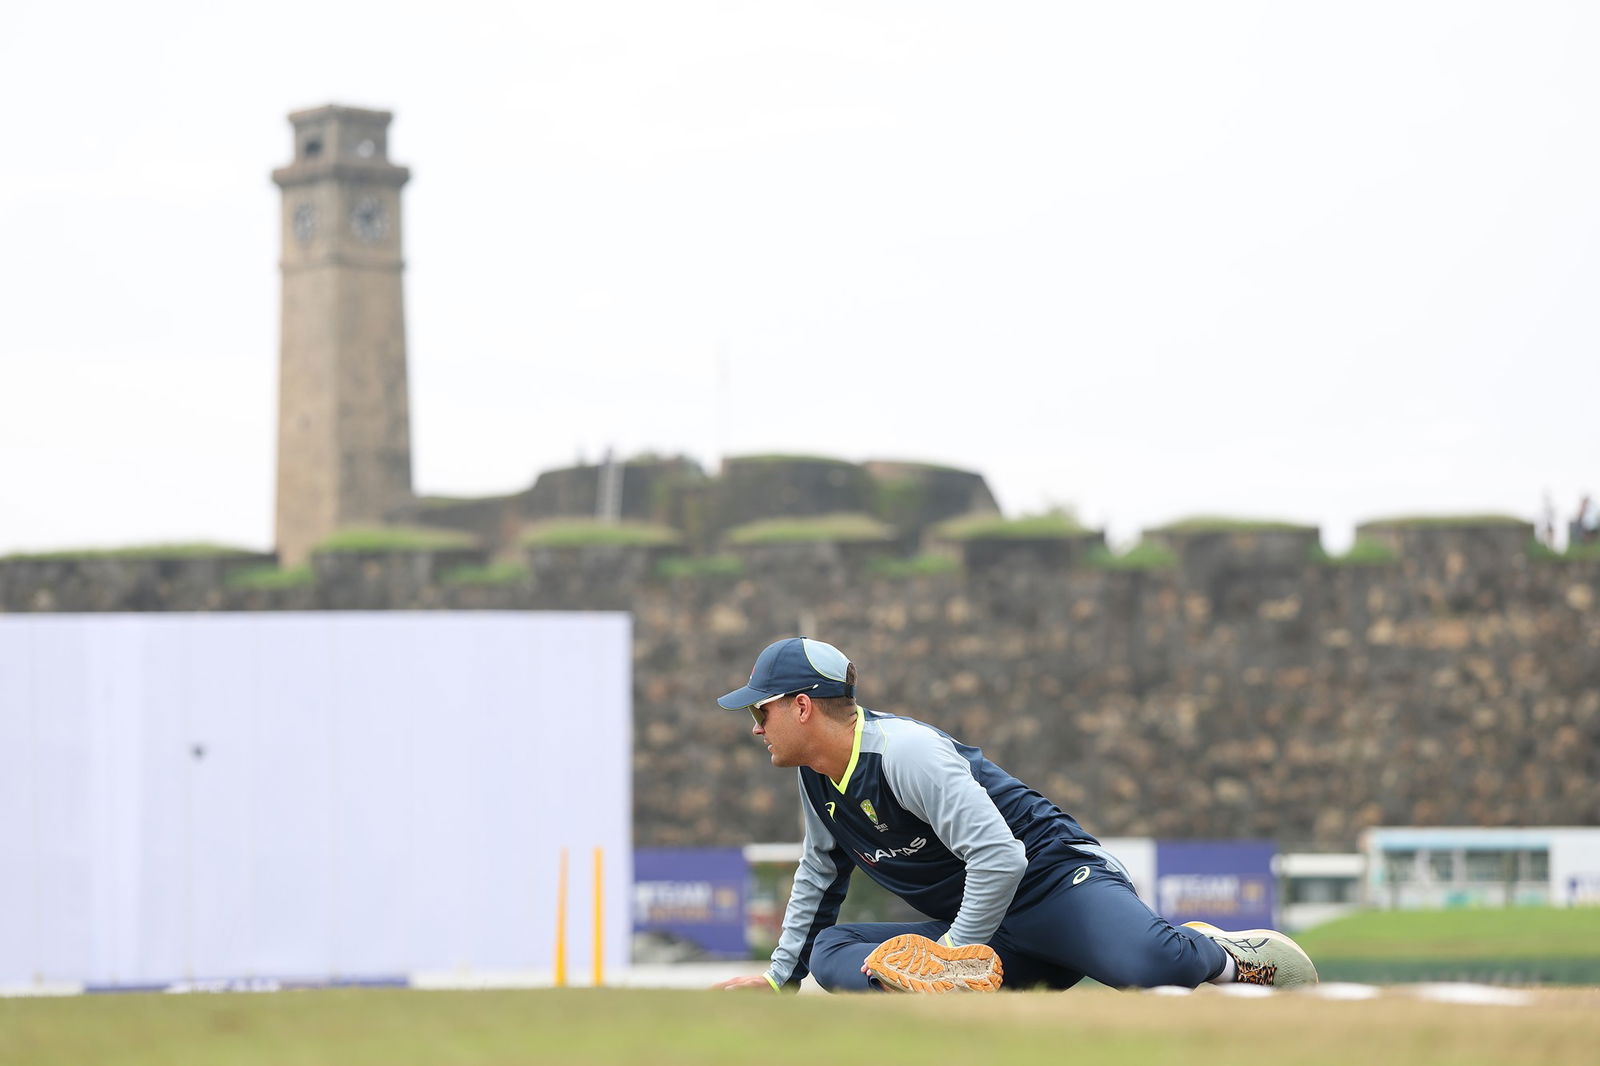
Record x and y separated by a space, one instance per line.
1088 925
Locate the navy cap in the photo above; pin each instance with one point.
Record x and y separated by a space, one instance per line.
798 664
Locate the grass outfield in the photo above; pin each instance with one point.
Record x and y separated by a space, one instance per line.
1519 945
1466 933
349 1027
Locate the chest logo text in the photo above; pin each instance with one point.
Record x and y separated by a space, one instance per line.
894 853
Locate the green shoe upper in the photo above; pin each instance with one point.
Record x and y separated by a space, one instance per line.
1263 956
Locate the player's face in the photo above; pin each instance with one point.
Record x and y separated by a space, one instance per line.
774 726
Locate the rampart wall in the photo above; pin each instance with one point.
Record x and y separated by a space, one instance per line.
910 497
1246 690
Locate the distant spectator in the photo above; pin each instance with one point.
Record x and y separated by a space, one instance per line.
1585 528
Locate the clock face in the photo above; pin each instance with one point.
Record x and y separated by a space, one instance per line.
305 223
368 220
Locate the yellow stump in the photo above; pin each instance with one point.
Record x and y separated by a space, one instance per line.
561 922
599 917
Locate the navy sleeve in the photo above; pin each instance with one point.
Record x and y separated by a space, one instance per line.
819 889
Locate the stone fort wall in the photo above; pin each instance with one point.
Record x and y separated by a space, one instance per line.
1246 690
909 497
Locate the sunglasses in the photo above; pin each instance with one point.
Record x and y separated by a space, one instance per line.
758 710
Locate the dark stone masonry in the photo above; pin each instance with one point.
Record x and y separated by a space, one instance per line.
1247 689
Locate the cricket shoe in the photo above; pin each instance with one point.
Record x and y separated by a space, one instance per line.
1263 956
912 963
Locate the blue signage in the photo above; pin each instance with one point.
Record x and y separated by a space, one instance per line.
696 894
1228 883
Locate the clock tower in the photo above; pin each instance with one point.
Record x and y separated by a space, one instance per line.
344 424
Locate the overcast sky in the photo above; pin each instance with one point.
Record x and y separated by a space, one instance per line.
1321 262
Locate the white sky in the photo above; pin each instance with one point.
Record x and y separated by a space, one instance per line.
1322 262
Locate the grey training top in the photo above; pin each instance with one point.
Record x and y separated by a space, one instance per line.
932 821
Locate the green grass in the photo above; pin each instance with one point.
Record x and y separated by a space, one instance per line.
1518 945
270 577
1225 524
918 466
493 574
1142 556
773 457
199 550
996 527
1448 521
583 532
916 566
1540 552
429 503
612 1027
834 527
395 539
1469 932
700 566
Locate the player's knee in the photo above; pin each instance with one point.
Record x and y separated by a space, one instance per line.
831 981
830 941
833 963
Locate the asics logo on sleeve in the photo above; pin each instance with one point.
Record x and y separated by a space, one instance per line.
831 808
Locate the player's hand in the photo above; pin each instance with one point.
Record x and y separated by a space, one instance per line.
745 982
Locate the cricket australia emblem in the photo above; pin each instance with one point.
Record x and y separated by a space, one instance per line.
872 814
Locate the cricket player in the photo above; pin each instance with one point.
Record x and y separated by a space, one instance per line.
1016 891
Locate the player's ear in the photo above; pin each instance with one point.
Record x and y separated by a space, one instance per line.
803 707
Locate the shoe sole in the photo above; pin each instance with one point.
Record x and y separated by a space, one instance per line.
1264 934
912 963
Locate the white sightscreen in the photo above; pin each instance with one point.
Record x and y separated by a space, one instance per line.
320 795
